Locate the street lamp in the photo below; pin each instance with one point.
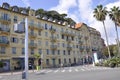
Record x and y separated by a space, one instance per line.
20 28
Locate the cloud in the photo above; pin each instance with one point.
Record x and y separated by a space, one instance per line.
84 13
26 2
64 6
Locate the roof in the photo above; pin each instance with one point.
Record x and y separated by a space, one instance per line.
78 25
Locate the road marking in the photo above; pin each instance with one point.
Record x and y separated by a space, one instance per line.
63 71
70 70
83 69
76 70
55 71
49 71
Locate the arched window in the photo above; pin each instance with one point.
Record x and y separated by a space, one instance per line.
6 5
15 8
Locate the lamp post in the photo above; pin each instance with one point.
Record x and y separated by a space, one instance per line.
26 49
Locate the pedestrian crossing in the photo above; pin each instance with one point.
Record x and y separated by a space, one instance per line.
71 69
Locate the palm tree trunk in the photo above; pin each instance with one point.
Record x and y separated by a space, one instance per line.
117 39
107 40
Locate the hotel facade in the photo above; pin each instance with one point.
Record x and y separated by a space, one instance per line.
56 41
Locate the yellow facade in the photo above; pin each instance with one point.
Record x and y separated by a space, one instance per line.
57 43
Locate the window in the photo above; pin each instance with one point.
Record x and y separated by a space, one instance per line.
39 33
58 36
15 19
23 41
40 51
58 52
46 34
2 50
68 52
5 16
59 61
39 43
62 36
53 52
47 61
65 61
63 52
46 43
46 26
32 51
14 40
47 51
58 44
13 50
23 50
63 44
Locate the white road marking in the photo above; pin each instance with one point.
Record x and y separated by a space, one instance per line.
63 71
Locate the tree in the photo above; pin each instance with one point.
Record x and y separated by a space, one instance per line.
37 57
40 12
100 13
114 14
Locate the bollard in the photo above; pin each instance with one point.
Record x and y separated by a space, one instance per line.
23 75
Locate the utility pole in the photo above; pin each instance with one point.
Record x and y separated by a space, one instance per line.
26 49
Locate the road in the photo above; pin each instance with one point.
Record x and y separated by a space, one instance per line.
70 73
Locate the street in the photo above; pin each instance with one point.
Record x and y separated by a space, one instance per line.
70 73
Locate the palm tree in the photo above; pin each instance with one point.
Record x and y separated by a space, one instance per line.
100 14
115 15
37 57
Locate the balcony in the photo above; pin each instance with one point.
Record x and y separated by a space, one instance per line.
5 31
5 20
53 39
81 48
69 47
52 30
53 47
69 40
32 26
39 27
4 42
32 45
32 35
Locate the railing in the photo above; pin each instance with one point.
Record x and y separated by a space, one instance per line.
53 46
32 34
52 30
32 45
5 20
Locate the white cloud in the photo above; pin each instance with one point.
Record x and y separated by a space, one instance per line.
85 14
26 2
64 6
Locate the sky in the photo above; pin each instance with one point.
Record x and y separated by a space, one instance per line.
78 10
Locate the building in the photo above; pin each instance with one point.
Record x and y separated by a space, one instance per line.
54 40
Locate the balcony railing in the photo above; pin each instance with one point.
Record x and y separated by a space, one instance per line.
69 40
52 30
5 20
32 35
53 38
5 31
53 46
39 27
32 45
32 26
69 47
4 42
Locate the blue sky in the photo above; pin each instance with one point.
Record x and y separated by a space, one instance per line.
79 10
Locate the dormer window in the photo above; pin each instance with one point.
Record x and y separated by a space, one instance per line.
5 5
15 8
24 11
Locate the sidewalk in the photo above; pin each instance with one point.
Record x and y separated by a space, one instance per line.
15 72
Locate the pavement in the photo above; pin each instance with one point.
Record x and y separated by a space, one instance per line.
68 73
